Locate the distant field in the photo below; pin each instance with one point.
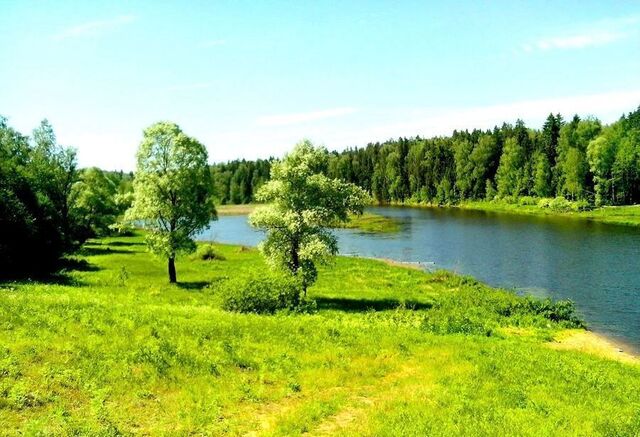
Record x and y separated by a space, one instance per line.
236 209
111 348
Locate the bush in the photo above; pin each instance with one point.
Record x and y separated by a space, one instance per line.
264 294
207 252
527 201
562 311
561 204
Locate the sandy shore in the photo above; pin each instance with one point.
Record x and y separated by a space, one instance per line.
596 344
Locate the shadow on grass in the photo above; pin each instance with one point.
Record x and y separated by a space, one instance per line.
58 278
361 305
192 285
78 265
125 243
93 251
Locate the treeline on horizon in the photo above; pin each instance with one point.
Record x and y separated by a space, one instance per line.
579 159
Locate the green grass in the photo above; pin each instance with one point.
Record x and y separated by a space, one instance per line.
370 222
620 215
113 348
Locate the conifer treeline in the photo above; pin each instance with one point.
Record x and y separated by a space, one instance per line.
579 159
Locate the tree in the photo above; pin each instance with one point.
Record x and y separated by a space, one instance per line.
95 202
541 175
510 172
172 191
36 218
302 204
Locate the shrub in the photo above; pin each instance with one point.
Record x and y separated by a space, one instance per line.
562 311
527 201
560 204
263 294
544 202
207 252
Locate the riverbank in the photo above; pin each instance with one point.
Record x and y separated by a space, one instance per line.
366 222
110 347
618 215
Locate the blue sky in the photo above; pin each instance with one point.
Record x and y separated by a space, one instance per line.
249 79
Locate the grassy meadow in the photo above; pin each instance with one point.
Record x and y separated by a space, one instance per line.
109 347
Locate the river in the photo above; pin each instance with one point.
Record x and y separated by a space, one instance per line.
594 264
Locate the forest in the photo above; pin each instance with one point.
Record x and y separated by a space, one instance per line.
48 206
580 160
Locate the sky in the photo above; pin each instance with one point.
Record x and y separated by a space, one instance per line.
250 79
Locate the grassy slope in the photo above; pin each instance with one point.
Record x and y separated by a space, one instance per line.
118 349
621 215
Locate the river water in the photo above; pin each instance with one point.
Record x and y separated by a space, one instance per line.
594 264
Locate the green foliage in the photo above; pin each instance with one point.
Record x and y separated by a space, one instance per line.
264 294
99 200
579 160
303 204
207 252
172 191
37 213
561 204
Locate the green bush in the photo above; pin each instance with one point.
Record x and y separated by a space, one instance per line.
561 204
562 311
207 252
262 294
527 201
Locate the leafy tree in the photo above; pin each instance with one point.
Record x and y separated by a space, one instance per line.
510 173
302 204
542 175
172 191
95 201
38 226
53 170
484 164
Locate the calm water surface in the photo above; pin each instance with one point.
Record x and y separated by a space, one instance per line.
595 265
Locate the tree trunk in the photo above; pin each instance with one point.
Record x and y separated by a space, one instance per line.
172 270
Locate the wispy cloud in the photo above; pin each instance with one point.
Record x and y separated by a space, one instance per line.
303 117
578 41
371 125
598 34
213 43
93 28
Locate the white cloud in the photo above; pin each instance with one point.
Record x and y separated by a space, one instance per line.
607 106
595 35
371 126
93 28
578 41
289 119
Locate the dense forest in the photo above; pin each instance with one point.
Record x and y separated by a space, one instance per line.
580 160
48 206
